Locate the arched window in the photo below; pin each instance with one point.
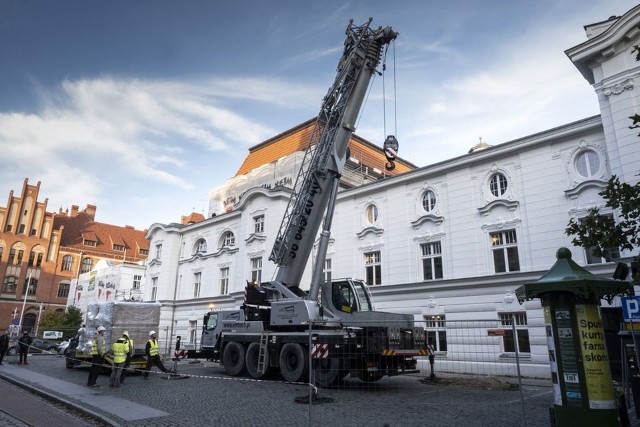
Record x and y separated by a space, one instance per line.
371 214
588 163
87 265
428 201
498 184
228 239
201 246
67 263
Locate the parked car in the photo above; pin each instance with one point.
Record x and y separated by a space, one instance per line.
38 345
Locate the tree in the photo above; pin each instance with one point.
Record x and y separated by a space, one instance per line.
68 321
601 232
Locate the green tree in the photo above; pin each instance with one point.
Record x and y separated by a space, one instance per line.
601 232
67 322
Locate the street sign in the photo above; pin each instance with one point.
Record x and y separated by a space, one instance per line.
631 308
495 332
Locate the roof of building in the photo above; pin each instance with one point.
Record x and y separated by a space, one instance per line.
81 231
297 139
192 218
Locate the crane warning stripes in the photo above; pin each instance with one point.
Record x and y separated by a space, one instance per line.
320 351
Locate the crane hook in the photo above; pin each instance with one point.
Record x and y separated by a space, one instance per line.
390 148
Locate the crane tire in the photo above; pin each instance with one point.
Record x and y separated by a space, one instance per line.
327 371
253 351
233 358
294 365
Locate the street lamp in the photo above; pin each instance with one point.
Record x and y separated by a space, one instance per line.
42 307
212 306
24 302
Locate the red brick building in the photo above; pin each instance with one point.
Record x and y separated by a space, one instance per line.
48 250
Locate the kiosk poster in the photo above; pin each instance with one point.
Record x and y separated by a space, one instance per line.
594 357
553 362
569 374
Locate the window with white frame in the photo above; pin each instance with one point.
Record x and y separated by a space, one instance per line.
154 288
429 200
137 280
87 265
224 280
498 184
326 271
256 270
436 326
373 268
521 341
197 278
67 262
158 251
228 239
371 214
201 246
588 163
258 224
431 260
504 247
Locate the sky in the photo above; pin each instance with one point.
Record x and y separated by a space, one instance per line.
141 107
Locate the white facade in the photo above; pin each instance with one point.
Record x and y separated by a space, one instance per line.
453 240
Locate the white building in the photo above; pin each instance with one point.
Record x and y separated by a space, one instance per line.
450 241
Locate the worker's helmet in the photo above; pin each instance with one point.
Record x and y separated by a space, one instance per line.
152 333
126 334
101 328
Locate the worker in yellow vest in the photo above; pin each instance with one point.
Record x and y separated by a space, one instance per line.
127 362
153 356
98 349
120 349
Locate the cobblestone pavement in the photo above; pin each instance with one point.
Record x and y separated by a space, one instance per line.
204 395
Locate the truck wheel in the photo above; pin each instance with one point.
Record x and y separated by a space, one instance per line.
233 359
327 371
12 351
294 365
253 351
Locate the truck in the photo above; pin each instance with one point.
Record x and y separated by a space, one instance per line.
137 318
332 330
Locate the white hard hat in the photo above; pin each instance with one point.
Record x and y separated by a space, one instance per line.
101 328
126 334
152 333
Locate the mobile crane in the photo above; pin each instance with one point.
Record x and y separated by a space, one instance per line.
333 326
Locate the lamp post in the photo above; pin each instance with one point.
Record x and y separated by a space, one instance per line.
39 313
24 302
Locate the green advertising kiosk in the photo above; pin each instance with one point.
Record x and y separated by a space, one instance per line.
581 377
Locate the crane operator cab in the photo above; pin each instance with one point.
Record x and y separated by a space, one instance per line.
347 296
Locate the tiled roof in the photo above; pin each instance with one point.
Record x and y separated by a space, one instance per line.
297 139
81 227
192 218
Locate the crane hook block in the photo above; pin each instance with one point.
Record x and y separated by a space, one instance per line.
390 148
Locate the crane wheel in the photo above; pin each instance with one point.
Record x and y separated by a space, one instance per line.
294 365
233 358
253 351
327 371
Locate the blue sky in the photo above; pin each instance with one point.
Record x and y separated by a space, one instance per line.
140 107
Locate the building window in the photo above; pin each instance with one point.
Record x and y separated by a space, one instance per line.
372 214
33 232
498 184
521 341
143 251
87 265
32 285
429 201
119 248
197 277
1 251
9 285
505 251
12 256
21 229
202 246
228 239
256 270
373 268
39 259
193 331
326 271
19 258
258 224
91 243
137 280
154 288
67 263
588 163
436 332
32 259
431 260
224 281
63 290
158 251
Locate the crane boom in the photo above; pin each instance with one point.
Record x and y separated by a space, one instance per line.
316 184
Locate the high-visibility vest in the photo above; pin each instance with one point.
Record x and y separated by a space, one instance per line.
153 348
94 347
130 348
120 349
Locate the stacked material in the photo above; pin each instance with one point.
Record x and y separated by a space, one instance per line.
137 318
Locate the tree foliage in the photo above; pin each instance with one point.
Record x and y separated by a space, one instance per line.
67 322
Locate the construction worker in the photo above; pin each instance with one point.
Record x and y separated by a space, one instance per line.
120 349
153 357
127 362
98 349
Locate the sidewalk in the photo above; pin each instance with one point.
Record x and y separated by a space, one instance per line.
89 397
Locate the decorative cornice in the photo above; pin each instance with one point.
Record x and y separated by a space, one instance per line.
436 219
618 88
260 237
574 192
375 230
155 261
509 204
225 250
